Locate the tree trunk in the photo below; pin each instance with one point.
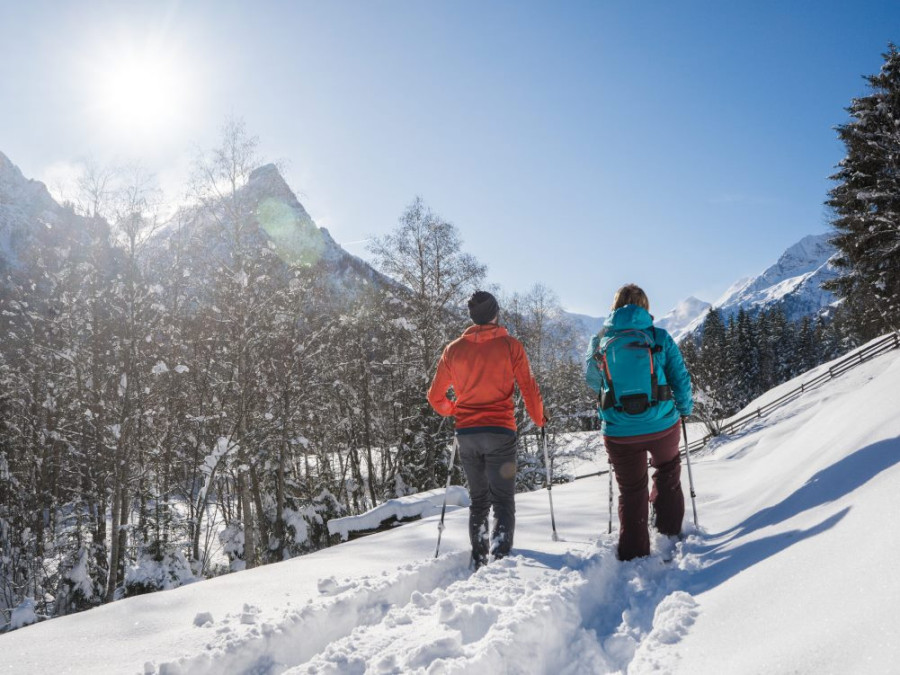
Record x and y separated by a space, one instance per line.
280 529
263 527
114 542
367 421
247 515
124 514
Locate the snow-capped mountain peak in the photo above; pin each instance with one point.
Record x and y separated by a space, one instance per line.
31 220
805 257
680 316
275 218
794 283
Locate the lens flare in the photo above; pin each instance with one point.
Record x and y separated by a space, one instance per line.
297 240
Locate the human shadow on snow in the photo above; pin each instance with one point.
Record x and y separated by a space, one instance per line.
828 485
726 564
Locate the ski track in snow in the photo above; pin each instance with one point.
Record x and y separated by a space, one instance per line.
578 612
253 643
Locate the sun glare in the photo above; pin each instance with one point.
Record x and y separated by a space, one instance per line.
140 96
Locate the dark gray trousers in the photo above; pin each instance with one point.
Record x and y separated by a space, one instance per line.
489 460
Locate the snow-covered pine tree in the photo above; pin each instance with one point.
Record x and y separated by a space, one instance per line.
745 360
766 353
781 344
711 374
808 347
866 203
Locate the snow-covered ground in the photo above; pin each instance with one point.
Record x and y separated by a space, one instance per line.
793 570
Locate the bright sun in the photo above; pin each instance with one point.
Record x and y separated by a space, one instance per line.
140 96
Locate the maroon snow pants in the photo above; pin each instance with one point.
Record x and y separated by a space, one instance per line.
628 455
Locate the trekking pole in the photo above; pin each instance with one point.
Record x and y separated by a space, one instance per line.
610 498
687 455
549 482
446 490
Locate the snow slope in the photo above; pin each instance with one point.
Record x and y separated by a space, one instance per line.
793 570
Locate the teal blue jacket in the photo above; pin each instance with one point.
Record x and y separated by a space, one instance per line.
668 361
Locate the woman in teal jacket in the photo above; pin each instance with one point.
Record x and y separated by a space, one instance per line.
636 425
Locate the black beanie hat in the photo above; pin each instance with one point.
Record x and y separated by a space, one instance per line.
483 307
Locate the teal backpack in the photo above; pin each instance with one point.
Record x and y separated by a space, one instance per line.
631 380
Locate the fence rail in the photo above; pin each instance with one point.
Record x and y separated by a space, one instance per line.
886 344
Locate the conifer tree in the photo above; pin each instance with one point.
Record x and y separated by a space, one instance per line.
807 346
745 360
711 375
781 341
866 203
766 353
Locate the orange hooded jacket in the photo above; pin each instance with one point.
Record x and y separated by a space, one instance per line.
482 365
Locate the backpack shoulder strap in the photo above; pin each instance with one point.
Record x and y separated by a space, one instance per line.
657 348
598 350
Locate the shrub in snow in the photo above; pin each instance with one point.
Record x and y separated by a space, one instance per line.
531 474
23 614
306 525
80 584
232 540
154 573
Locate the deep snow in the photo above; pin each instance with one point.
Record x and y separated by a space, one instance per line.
793 570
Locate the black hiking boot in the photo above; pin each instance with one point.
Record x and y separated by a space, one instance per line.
479 560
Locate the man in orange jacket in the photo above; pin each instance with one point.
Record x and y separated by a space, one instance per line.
482 366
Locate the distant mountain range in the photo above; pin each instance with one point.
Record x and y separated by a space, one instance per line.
27 214
32 222
586 326
31 219
793 282
34 228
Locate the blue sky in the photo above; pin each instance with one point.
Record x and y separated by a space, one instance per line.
583 145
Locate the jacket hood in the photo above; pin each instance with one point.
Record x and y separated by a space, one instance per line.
629 316
484 332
